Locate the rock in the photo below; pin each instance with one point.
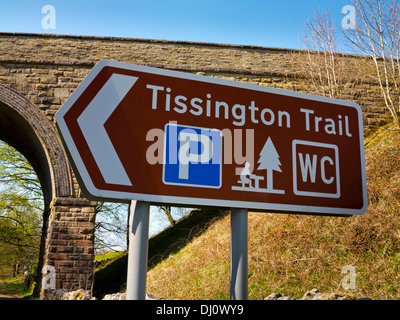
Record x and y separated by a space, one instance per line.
64 294
336 296
115 296
313 294
77 295
150 296
122 296
54 294
278 296
273 296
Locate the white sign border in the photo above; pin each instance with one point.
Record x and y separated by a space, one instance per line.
99 194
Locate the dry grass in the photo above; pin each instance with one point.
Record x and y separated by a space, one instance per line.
292 253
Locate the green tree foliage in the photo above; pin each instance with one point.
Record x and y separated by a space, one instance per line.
21 209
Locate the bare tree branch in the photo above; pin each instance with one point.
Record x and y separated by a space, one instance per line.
377 34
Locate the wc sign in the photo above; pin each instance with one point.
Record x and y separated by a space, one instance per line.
192 156
167 137
315 169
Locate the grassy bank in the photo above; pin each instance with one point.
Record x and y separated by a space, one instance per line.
111 271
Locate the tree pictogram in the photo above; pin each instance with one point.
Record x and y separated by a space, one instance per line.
269 160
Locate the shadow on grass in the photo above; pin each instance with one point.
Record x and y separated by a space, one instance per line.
111 278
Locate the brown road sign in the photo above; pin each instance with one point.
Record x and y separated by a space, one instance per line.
142 133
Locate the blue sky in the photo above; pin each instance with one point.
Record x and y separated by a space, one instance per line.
253 22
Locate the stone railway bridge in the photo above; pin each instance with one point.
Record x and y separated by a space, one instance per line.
38 72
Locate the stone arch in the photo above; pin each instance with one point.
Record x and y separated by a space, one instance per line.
68 220
23 126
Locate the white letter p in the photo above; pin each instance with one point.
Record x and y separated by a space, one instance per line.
187 154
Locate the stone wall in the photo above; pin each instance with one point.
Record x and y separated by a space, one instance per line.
47 68
70 251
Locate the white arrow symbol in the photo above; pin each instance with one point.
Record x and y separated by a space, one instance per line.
92 121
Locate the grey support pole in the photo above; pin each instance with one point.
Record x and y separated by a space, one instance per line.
239 285
138 251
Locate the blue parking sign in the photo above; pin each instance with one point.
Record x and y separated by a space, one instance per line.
192 156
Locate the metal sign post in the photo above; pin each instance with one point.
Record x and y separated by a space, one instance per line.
239 265
138 251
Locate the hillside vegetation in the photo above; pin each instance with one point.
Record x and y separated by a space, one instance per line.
111 269
291 254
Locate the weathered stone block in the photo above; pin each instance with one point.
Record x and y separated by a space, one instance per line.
62 92
48 79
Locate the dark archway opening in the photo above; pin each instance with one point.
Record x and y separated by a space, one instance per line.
21 222
68 219
18 133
